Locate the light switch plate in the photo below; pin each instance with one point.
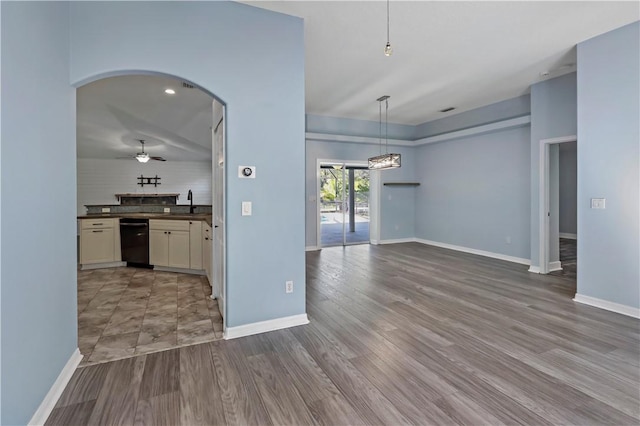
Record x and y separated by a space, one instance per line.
246 208
598 203
167 209
106 209
247 172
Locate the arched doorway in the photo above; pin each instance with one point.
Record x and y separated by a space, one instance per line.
130 308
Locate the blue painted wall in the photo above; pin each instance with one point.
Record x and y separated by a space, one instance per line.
253 60
38 169
553 114
475 192
351 127
397 205
568 188
498 111
608 166
250 58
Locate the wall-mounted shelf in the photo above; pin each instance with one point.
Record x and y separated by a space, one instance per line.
401 184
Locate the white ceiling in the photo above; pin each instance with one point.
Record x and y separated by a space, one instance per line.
461 54
113 113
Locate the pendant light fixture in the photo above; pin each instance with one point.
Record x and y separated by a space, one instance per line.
388 50
384 161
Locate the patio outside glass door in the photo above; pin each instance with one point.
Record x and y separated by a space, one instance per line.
344 204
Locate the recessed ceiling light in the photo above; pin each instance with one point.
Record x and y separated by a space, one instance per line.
169 91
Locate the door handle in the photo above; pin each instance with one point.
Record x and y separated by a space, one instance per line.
100 230
215 226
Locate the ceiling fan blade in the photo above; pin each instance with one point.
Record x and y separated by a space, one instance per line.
158 158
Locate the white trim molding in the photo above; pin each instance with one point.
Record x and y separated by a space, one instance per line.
555 266
609 306
568 236
265 326
534 269
312 248
510 123
397 241
493 255
49 402
328 137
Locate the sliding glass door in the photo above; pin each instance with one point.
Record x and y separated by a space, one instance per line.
344 204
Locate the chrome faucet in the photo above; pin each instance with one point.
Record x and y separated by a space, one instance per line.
190 198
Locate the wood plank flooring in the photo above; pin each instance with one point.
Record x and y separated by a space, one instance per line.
399 334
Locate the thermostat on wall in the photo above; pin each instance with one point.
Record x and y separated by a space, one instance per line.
247 172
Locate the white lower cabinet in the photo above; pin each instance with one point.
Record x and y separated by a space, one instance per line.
207 251
169 243
99 241
97 246
195 244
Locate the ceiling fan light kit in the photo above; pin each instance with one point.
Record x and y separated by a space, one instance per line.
144 157
388 160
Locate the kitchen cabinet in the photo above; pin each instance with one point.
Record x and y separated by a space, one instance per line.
169 243
207 251
195 244
99 241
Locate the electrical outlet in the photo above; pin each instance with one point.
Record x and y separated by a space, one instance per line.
289 286
106 209
167 209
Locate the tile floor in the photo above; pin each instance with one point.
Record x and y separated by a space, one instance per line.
124 312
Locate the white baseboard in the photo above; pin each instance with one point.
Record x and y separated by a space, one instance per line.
609 306
86 266
534 269
555 266
311 248
397 241
568 236
180 270
374 242
475 251
49 402
265 326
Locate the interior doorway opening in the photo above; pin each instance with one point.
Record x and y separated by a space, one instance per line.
344 206
558 207
134 129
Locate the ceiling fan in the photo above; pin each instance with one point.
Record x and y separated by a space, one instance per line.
142 156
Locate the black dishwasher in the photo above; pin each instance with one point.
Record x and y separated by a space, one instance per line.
134 241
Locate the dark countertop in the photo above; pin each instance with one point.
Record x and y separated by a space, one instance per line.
165 216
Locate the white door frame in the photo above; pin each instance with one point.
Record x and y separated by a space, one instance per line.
543 201
374 182
216 263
